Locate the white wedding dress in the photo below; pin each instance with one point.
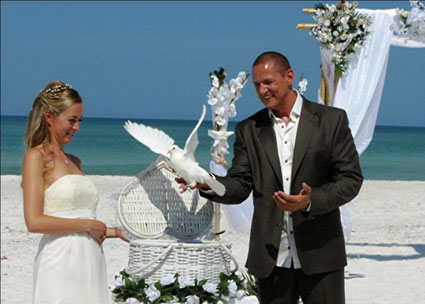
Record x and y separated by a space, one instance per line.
70 268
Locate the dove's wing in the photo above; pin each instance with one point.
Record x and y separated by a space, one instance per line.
156 140
192 141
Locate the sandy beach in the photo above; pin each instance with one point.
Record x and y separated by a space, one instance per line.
387 242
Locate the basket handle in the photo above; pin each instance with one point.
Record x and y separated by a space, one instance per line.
134 271
232 257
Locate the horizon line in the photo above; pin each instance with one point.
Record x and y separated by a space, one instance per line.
206 120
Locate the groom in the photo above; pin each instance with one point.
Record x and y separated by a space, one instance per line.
299 160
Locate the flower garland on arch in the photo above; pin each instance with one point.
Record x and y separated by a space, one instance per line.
222 99
410 24
341 30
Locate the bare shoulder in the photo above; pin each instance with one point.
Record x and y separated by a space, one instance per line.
75 160
32 165
34 155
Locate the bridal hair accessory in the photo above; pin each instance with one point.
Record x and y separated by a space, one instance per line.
58 88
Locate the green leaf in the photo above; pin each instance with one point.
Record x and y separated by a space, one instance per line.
168 298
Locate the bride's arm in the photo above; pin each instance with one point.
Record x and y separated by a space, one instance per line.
36 221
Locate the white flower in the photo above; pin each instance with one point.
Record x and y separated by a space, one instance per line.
185 280
235 84
232 110
192 300
302 85
214 81
212 92
167 280
132 301
212 101
153 293
344 19
223 93
219 111
242 75
220 120
219 302
119 281
232 288
240 294
210 287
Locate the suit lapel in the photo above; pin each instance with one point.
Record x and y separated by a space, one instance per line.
268 138
306 127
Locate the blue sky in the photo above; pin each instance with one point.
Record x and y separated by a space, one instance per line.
151 59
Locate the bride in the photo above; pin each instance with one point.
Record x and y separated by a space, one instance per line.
60 202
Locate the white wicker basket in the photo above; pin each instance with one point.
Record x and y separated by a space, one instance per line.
153 260
152 206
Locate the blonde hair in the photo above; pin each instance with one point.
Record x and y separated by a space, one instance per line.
56 97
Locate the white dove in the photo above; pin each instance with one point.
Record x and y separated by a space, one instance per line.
181 161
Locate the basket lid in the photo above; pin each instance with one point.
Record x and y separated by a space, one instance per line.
151 205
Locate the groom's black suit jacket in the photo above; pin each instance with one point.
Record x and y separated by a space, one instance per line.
325 158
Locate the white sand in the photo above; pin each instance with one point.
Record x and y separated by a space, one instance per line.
387 243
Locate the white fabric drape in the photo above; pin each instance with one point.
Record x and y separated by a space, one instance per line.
403 42
238 217
359 93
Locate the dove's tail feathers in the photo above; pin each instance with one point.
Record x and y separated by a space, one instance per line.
156 140
216 186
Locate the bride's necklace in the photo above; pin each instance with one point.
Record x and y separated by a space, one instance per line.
65 158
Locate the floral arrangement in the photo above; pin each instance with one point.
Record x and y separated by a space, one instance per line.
178 289
222 99
302 85
411 24
341 30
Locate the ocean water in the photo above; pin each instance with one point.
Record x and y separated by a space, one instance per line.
105 148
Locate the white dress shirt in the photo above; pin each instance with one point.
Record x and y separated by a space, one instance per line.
285 139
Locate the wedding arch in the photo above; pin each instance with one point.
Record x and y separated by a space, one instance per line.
359 92
358 88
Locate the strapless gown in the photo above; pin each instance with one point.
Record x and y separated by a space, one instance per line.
70 268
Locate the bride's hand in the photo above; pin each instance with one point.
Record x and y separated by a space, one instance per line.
115 233
97 230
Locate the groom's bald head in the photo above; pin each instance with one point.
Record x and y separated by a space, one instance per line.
278 60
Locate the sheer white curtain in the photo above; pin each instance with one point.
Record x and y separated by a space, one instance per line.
359 93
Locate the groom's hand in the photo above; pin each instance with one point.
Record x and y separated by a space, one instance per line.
184 186
292 203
